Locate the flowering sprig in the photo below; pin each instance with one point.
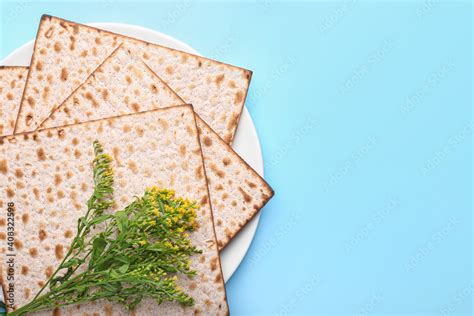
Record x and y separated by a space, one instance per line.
140 252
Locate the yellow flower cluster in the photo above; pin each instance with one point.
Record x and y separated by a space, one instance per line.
180 213
109 173
171 246
163 194
107 157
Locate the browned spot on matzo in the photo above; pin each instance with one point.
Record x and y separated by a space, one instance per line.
105 94
199 173
18 244
49 271
228 137
163 124
182 150
33 252
45 93
61 133
108 310
60 194
226 161
50 198
116 153
49 32
91 98
135 107
27 292
233 121
217 171
133 166
72 45
250 184
140 131
57 47
219 79
232 84
42 234
39 65
207 141
83 187
154 88
10 192
59 251
77 153
57 179
239 96
214 264
3 166
245 195
31 101
36 192
24 270
64 74
29 119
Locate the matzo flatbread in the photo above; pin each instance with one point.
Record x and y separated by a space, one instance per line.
66 53
48 177
12 82
238 191
124 84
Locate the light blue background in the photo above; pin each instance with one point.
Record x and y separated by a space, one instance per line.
364 112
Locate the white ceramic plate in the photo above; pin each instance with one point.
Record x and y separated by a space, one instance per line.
246 142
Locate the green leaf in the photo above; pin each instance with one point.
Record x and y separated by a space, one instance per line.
98 247
114 274
122 221
100 219
113 287
156 247
99 244
124 268
122 258
162 208
70 263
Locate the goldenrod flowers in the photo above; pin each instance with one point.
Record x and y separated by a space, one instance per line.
140 251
